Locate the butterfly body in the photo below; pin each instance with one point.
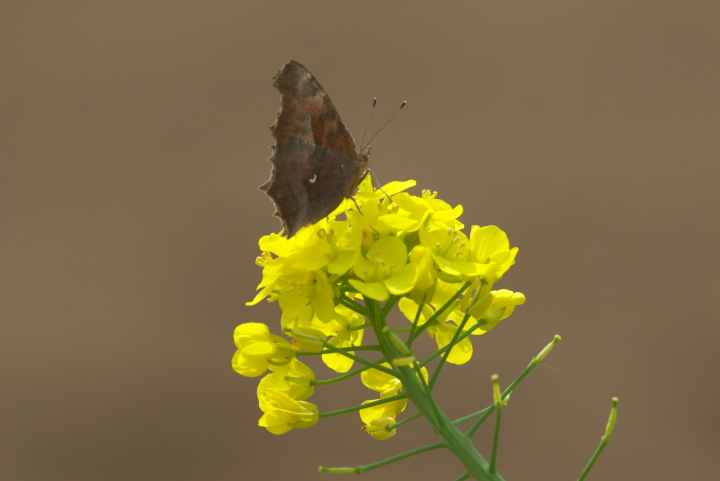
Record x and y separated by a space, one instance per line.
315 162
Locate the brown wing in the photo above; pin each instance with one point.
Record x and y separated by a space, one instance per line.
315 165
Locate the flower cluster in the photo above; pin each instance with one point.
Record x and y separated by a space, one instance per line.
338 277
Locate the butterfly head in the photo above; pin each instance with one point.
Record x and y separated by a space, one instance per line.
365 155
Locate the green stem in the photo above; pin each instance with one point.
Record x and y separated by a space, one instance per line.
455 440
359 359
453 342
368 467
362 406
604 441
418 392
405 421
353 305
533 364
482 412
463 477
462 336
439 312
498 419
347 375
389 305
411 336
369 347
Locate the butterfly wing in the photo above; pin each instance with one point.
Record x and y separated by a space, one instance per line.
315 165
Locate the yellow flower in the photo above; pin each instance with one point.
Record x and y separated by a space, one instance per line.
501 298
282 413
258 349
414 212
377 428
307 339
426 281
387 385
443 330
346 333
450 250
490 245
293 380
384 270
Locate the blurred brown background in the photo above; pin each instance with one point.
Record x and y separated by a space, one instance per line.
134 135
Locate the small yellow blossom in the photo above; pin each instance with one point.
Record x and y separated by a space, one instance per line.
282 413
377 428
258 349
294 380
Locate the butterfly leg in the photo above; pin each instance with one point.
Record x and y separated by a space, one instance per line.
376 184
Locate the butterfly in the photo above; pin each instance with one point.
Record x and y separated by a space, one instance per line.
314 161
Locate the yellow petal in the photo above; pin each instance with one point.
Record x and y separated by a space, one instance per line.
373 290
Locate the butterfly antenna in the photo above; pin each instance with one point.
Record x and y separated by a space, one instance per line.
402 105
367 124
